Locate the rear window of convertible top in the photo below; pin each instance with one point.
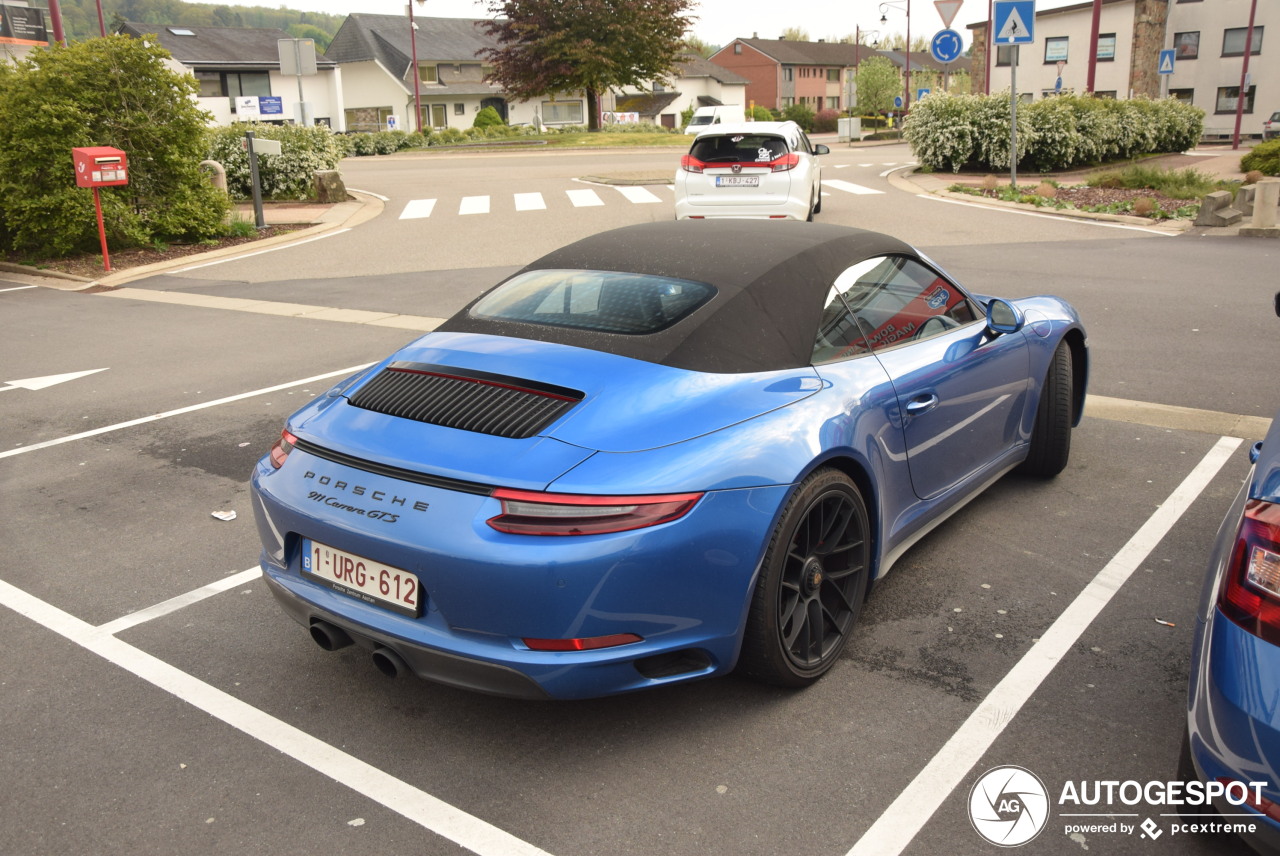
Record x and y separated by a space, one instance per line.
601 301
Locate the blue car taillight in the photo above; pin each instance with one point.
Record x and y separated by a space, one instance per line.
282 448
532 513
1250 594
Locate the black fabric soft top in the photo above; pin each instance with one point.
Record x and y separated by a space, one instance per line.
771 278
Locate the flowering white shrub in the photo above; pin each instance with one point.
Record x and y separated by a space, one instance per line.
288 175
1063 132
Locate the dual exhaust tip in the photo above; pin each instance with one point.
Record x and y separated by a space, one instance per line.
332 638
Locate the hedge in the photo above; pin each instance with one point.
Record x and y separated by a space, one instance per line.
288 175
1064 132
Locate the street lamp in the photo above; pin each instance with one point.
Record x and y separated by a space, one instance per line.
905 5
417 74
858 35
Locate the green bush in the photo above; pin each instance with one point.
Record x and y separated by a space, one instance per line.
1265 158
801 114
289 175
117 92
758 114
487 118
952 131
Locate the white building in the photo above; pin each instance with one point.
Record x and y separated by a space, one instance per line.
1207 36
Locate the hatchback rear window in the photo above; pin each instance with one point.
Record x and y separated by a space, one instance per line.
603 301
738 148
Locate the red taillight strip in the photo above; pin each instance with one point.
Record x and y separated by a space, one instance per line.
592 643
542 392
527 512
280 451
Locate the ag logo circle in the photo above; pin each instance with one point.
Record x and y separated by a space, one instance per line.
1009 806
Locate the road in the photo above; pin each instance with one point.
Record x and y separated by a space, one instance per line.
156 700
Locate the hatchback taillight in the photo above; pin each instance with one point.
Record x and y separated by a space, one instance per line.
784 163
1250 595
689 163
531 513
282 448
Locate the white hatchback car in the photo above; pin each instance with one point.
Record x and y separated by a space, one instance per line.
750 170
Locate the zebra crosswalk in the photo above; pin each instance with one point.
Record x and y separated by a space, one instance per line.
582 197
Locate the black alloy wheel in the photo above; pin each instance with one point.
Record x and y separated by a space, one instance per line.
812 584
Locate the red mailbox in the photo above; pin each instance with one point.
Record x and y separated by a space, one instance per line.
100 166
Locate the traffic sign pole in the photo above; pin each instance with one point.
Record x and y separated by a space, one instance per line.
1013 118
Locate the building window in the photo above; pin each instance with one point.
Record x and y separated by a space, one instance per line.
459 109
1186 96
562 112
737 47
788 73
833 102
428 74
1229 97
788 102
1005 54
1108 94
1233 41
1106 47
833 75
1055 50
1187 45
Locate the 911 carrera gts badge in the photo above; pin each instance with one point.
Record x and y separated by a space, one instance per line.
392 514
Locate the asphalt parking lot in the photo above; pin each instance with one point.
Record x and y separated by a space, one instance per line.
156 700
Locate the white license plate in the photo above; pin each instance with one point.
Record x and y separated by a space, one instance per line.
737 181
365 579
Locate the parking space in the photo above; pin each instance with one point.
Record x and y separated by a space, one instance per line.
723 766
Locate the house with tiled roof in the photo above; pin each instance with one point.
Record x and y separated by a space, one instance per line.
698 82
817 74
230 62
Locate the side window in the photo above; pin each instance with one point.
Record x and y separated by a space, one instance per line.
897 299
839 336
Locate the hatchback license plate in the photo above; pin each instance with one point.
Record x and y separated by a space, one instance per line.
364 579
737 181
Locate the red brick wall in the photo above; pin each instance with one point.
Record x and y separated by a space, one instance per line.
755 67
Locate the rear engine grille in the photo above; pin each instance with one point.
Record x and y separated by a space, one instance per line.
466 400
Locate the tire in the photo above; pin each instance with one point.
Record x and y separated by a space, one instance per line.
817 206
812 211
811 586
1051 436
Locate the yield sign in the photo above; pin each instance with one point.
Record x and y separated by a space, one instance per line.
947 10
46 381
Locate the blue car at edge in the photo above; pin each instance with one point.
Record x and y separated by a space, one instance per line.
1233 720
661 453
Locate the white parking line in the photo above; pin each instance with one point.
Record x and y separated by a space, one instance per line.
474 205
106 429
907 815
19 288
182 601
416 805
263 252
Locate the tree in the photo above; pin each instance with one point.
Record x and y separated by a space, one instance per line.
703 49
794 34
551 46
116 92
878 82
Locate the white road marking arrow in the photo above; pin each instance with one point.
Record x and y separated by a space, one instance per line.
46 381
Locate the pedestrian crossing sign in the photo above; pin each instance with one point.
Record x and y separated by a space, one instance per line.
1166 62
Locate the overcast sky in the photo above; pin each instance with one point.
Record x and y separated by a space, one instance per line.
721 21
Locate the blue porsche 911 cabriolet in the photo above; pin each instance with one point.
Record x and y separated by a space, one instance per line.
657 454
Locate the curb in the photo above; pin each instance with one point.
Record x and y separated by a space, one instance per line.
909 181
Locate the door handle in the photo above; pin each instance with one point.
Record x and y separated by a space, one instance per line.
921 404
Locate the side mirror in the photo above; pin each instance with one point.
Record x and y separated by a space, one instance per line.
1003 317
819 149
